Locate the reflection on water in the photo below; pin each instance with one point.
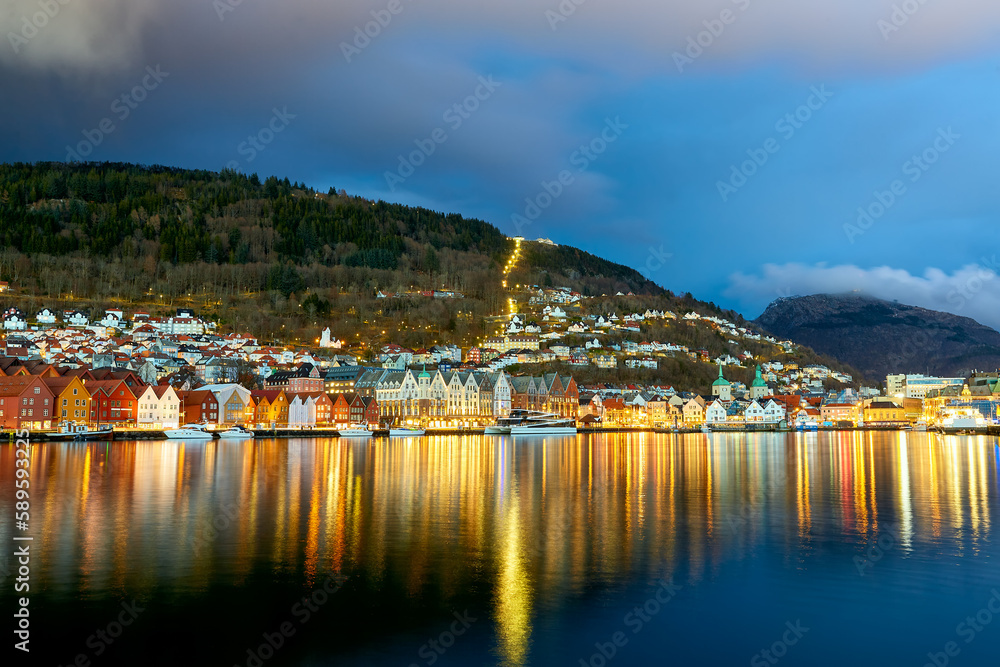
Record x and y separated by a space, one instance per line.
539 521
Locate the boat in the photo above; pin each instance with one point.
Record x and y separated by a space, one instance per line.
355 432
533 422
806 424
405 432
74 431
236 432
496 430
962 419
189 432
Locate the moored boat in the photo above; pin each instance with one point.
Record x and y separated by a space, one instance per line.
405 432
532 422
74 431
354 432
236 432
189 432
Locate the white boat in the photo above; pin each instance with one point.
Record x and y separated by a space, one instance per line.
963 419
73 431
236 432
189 432
531 422
405 432
496 430
355 432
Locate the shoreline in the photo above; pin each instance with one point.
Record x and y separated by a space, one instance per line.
259 434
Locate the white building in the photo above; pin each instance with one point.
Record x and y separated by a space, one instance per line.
326 341
302 411
159 407
715 413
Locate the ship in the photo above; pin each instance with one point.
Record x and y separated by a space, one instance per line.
532 422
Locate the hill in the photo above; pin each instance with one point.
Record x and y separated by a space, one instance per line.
881 337
270 256
282 261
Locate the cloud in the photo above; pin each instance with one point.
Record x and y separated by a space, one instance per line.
74 34
972 291
631 37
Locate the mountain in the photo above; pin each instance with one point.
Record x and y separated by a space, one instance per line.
880 337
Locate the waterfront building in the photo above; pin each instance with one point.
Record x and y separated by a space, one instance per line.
159 407
25 402
72 400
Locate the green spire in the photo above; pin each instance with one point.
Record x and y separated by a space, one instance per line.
424 373
721 382
758 381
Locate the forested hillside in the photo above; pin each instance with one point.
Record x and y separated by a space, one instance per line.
257 253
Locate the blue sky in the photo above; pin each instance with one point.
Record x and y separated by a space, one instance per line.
930 88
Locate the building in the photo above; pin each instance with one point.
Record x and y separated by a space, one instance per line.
722 389
26 402
759 388
341 379
882 412
200 406
72 400
270 408
237 408
159 407
836 413
14 319
112 402
304 379
918 386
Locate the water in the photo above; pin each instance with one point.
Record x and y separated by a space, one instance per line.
823 549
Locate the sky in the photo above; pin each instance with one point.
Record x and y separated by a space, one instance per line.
741 150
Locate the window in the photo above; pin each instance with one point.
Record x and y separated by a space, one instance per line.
45 413
31 401
75 390
23 412
38 390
